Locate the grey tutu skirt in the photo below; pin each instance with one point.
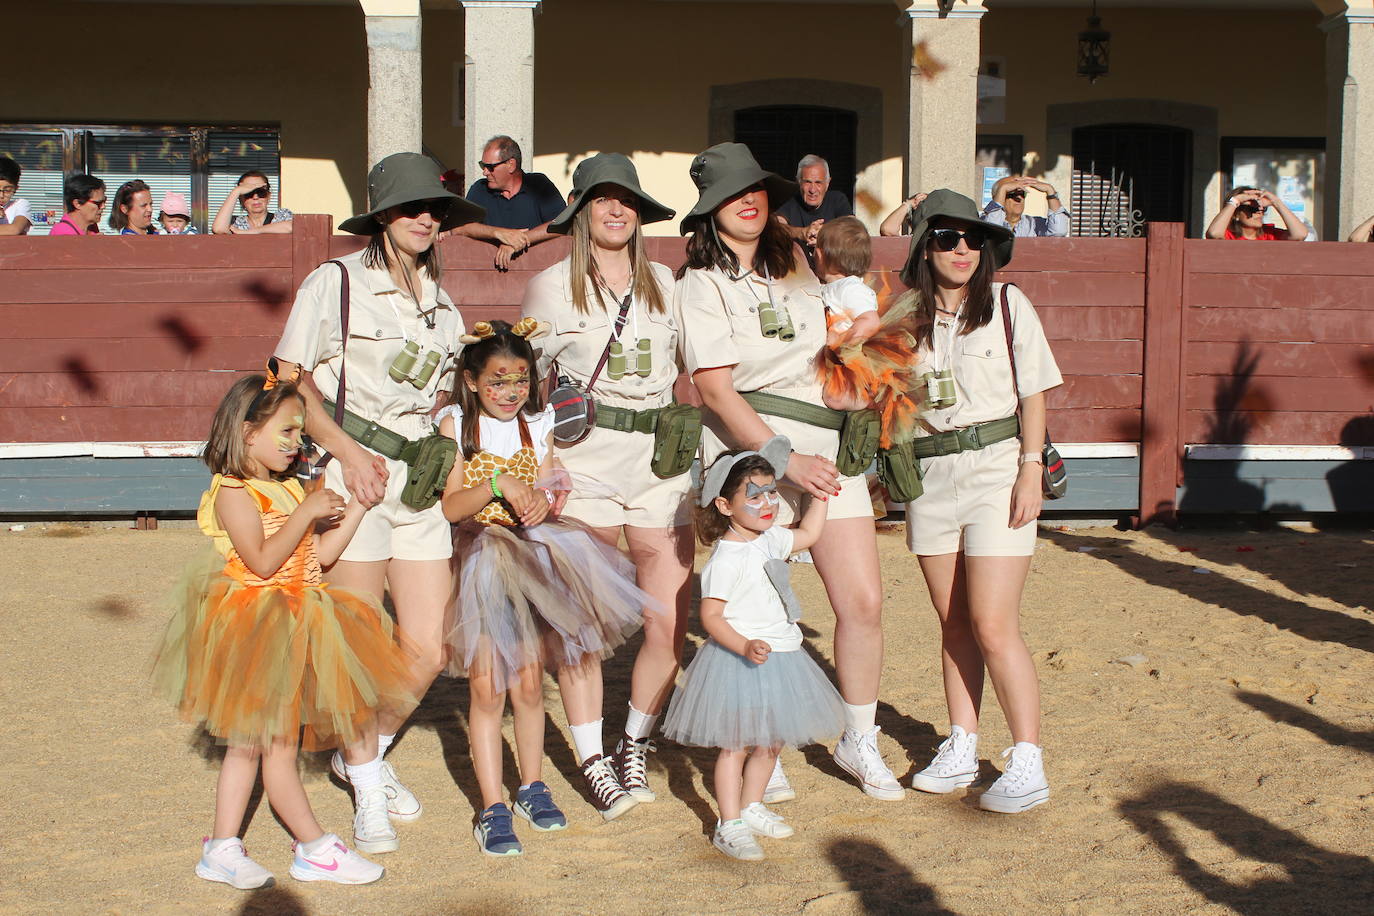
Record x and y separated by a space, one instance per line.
727 701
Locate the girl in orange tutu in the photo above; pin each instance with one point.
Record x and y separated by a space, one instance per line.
259 648
869 360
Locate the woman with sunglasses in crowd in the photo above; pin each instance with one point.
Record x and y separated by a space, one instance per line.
753 323
1242 217
253 193
399 351
1008 208
974 527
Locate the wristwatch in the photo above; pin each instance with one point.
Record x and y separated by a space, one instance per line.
1051 196
1029 457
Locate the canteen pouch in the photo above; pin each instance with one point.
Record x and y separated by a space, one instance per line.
676 438
428 461
1055 482
900 472
574 412
858 442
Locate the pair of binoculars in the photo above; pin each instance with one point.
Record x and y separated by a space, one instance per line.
403 367
618 365
940 389
775 322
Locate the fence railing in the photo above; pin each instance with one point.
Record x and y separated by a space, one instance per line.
1163 341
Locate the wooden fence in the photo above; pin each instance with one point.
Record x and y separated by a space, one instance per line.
1170 343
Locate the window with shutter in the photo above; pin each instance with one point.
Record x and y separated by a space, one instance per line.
162 162
231 153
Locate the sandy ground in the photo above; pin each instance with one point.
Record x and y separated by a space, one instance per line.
1208 724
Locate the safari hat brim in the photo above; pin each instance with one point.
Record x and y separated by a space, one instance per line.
603 169
723 171
947 204
404 177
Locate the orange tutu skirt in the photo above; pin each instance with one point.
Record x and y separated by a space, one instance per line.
255 663
882 372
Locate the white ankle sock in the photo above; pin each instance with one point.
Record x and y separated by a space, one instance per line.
638 724
217 842
860 719
365 775
587 740
384 743
316 846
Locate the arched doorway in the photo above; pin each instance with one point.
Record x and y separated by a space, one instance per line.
1125 175
779 135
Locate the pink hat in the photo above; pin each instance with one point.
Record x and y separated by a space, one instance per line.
174 204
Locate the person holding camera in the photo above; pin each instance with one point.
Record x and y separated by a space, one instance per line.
1242 217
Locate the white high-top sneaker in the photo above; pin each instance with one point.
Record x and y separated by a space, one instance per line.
1022 785
955 764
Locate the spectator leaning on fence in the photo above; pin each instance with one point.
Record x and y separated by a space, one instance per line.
84 198
1008 208
898 222
1242 217
254 194
132 213
519 204
806 211
15 216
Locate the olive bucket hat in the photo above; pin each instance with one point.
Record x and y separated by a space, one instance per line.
947 204
722 172
404 177
607 168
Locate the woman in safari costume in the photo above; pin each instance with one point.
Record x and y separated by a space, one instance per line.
401 351
739 261
614 489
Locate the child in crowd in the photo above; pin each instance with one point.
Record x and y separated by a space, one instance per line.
260 648
751 688
175 215
531 591
868 361
16 216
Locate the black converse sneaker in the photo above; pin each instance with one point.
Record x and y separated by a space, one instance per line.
629 765
608 795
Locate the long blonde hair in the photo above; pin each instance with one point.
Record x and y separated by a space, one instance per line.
583 272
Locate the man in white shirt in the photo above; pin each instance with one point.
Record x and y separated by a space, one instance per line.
1008 207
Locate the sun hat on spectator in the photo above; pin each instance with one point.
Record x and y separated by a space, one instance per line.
607 168
404 177
723 171
174 204
947 204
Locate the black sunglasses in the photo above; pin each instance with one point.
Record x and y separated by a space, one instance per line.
1251 207
1016 195
263 191
437 208
948 239
491 166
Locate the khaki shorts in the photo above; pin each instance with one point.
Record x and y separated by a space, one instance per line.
393 530
611 471
966 505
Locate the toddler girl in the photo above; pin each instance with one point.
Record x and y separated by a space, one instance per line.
751 688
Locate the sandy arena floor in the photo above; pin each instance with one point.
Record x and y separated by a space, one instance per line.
1208 723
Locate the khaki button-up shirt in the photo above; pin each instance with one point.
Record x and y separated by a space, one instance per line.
381 320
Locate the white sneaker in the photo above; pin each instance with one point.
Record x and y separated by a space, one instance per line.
736 840
1022 785
229 864
372 830
955 764
765 822
858 756
335 863
779 789
401 803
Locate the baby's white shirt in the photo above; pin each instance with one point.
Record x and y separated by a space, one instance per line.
849 295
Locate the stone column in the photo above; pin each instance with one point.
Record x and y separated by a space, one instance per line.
1349 192
498 38
943 128
394 114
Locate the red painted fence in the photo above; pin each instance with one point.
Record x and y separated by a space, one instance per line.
1162 340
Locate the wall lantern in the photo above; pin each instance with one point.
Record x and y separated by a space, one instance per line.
1093 44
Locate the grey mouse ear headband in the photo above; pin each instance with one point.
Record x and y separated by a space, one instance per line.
775 451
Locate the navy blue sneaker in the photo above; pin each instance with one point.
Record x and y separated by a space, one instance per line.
495 832
535 804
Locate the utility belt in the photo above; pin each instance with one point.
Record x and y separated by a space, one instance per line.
860 430
899 467
428 459
676 428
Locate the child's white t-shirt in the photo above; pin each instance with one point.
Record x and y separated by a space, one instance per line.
16 208
849 295
502 437
734 573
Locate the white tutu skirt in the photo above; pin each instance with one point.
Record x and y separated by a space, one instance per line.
551 595
727 701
